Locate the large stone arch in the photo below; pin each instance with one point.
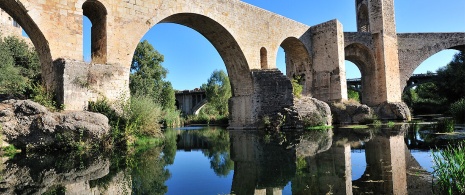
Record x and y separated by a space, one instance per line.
224 43
414 48
298 62
20 14
364 59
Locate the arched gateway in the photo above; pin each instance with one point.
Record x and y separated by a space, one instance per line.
246 37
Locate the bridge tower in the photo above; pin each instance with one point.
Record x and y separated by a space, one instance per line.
377 18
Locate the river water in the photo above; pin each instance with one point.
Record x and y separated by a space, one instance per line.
212 160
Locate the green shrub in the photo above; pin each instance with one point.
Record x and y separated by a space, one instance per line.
445 125
314 119
145 114
457 110
39 94
296 86
449 170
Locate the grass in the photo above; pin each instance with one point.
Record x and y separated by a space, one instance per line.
356 127
322 127
449 170
10 151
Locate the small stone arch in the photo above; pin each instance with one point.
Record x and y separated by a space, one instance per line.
20 14
363 20
298 63
263 58
97 14
363 58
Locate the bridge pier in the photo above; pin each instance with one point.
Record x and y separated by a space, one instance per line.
78 82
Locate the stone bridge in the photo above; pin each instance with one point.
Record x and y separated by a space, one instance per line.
190 101
246 37
414 80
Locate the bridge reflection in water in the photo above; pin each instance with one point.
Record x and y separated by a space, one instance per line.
319 162
311 162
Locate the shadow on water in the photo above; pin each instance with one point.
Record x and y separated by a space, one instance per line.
250 162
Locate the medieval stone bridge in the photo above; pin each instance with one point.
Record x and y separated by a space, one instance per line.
246 37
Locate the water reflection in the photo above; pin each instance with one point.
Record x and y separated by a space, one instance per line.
237 162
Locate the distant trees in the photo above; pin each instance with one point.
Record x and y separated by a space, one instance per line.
218 92
446 89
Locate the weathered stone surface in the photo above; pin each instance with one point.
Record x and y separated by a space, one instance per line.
393 111
348 112
27 124
304 112
42 173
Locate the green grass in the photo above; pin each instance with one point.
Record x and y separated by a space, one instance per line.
322 127
10 151
449 170
355 127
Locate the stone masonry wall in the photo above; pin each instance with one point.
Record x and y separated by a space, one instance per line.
327 49
82 82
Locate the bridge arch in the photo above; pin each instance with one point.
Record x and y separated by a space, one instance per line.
363 58
97 14
20 14
298 63
415 48
224 43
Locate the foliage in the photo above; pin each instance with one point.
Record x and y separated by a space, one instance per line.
140 118
218 92
147 76
445 125
314 119
10 151
20 67
451 78
457 110
297 88
40 95
204 118
353 95
424 99
449 170
145 115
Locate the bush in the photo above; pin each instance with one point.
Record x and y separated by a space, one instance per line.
296 86
145 115
457 110
445 125
141 117
449 170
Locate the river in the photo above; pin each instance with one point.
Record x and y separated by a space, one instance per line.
212 160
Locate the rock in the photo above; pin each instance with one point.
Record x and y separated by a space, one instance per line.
393 111
29 125
306 111
349 112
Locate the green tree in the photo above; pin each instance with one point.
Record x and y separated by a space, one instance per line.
147 76
451 78
218 92
20 67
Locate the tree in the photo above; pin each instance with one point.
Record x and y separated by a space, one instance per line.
19 68
147 76
451 78
218 92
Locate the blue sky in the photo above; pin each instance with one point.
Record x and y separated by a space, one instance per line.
190 58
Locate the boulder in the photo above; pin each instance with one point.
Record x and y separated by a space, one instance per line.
393 111
306 111
29 125
350 112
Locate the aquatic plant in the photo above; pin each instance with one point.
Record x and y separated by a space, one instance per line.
457 110
445 125
449 169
